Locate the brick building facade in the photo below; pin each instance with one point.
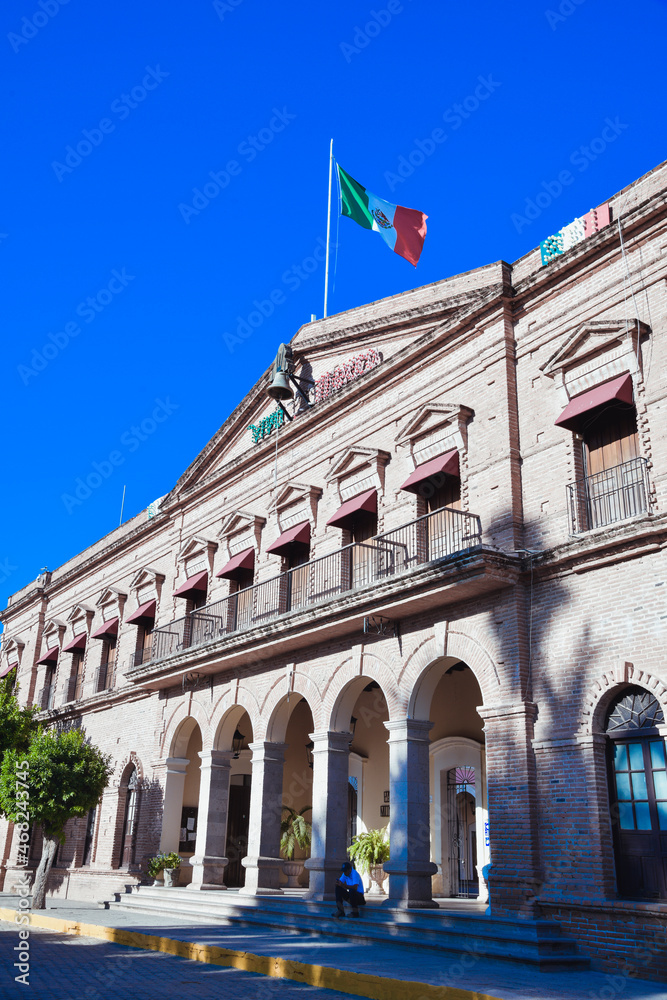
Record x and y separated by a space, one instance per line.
432 598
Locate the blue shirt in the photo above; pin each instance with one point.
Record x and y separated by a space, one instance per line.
353 880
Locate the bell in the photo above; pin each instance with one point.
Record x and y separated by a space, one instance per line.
280 387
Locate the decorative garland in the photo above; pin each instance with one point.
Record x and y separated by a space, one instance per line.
347 372
266 426
569 236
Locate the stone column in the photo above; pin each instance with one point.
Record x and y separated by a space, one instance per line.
174 782
263 864
329 817
410 867
515 877
209 860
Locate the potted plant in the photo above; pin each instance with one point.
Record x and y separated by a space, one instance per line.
369 851
295 831
168 864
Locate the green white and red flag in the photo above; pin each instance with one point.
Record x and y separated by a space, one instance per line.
402 229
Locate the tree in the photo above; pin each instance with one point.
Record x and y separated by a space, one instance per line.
16 724
65 777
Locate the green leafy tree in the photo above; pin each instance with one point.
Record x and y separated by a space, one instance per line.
16 724
65 777
294 829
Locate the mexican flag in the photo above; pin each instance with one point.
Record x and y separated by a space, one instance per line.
402 229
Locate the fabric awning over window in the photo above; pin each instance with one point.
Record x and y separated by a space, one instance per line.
299 535
77 643
107 629
198 582
447 464
367 501
51 656
617 390
241 562
6 670
144 614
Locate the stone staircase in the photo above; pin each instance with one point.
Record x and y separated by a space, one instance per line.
458 930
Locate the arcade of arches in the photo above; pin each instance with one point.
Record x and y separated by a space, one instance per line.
423 779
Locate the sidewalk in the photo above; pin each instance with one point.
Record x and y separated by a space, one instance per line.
370 970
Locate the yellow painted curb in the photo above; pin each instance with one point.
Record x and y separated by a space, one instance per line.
343 980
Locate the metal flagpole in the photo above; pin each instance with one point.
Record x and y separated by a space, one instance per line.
326 266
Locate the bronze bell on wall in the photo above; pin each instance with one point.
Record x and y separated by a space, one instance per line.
280 388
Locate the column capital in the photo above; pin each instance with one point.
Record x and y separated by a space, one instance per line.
326 741
415 730
526 709
173 765
216 758
263 750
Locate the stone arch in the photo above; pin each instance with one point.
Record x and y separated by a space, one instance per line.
422 669
226 713
346 684
606 686
128 763
178 729
278 707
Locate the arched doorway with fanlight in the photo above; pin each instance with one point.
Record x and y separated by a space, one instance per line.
637 773
130 801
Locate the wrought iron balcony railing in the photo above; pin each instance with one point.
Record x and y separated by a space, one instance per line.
139 656
104 679
46 696
439 535
609 496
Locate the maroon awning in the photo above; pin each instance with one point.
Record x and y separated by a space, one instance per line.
77 643
239 563
618 390
198 582
51 656
145 612
447 464
367 501
299 535
6 670
108 628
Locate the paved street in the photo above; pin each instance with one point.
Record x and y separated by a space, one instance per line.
63 967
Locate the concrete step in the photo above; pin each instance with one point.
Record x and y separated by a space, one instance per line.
540 944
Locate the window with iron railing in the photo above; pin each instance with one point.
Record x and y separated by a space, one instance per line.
609 496
439 535
107 668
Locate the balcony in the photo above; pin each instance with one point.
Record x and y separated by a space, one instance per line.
139 657
104 679
608 497
46 697
443 534
73 689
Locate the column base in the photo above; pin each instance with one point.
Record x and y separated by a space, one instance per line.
323 875
208 872
262 877
410 885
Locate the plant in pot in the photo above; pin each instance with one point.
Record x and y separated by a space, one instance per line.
168 864
295 831
369 851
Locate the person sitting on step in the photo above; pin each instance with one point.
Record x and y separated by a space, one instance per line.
350 887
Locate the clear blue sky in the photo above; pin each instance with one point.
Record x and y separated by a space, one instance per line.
169 93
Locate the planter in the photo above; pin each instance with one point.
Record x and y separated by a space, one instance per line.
171 877
292 869
378 875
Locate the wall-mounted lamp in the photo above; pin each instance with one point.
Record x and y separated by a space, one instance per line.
237 742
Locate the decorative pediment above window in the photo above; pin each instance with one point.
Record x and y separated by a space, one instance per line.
594 353
111 603
54 630
196 555
80 618
13 648
241 530
435 429
295 503
358 470
146 584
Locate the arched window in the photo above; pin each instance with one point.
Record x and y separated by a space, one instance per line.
128 843
638 793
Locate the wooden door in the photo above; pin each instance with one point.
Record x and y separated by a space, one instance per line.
445 530
614 483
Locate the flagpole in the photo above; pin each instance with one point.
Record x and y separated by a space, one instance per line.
326 266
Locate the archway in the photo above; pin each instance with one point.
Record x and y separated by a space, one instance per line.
236 734
181 794
448 694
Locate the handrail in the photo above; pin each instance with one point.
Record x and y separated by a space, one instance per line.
438 535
